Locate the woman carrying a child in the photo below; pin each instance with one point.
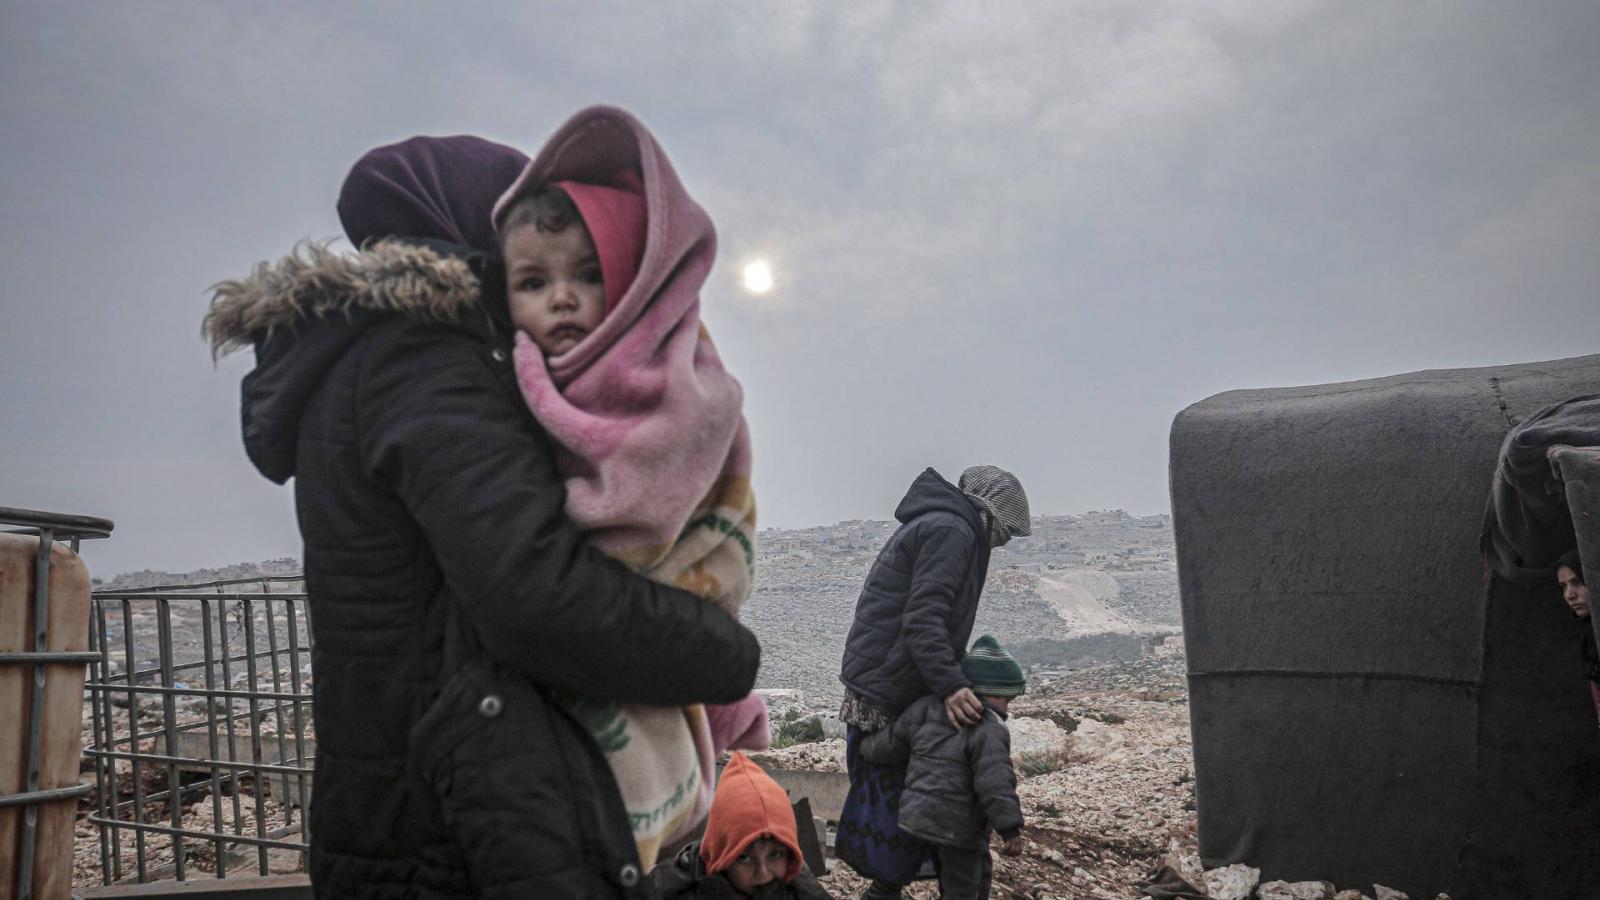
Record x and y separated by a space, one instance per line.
911 628
459 612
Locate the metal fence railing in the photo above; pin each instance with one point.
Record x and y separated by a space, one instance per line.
202 737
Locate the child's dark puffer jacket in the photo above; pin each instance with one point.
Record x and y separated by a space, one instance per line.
960 784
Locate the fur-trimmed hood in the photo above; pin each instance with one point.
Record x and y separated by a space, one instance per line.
314 282
303 312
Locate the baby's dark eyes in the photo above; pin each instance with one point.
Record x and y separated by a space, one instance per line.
536 282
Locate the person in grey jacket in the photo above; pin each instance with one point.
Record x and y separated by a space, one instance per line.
960 784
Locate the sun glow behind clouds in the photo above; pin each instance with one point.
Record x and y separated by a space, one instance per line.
757 276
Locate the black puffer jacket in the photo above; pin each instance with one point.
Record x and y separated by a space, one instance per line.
449 594
917 607
960 783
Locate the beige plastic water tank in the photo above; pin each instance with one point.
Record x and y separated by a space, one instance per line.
68 619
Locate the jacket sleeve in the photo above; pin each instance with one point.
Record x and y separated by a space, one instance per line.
887 746
938 569
472 469
994 779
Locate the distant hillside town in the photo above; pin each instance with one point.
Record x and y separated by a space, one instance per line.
1081 591
147 578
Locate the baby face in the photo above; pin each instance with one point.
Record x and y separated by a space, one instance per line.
554 286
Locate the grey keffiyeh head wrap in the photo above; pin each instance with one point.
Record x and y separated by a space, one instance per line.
998 495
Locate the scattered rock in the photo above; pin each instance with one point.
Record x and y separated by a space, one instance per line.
1235 882
1096 740
821 756
1298 890
1388 893
1190 867
1035 736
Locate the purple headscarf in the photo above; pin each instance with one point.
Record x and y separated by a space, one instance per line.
436 188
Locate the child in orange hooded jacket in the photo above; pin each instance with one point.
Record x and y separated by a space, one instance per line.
751 846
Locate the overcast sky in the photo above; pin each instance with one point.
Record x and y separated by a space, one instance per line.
1021 234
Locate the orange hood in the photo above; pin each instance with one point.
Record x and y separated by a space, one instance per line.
748 805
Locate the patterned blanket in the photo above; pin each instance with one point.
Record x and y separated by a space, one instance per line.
656 455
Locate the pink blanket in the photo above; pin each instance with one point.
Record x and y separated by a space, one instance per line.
654 449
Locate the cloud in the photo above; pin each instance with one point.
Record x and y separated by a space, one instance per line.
1019 232
1557 216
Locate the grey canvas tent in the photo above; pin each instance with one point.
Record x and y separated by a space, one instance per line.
1371 700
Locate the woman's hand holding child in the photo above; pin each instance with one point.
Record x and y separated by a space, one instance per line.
963 708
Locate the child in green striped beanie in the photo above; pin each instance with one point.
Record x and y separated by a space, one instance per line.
960 784
994 673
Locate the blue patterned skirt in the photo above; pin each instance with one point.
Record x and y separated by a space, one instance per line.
869 839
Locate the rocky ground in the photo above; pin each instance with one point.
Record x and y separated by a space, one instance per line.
271 814
1105 779
802 609
1101 741
1105 776
121 854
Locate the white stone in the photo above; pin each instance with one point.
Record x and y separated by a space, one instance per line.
1298 890
1389 893
1099 741
1235 882
1029 736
